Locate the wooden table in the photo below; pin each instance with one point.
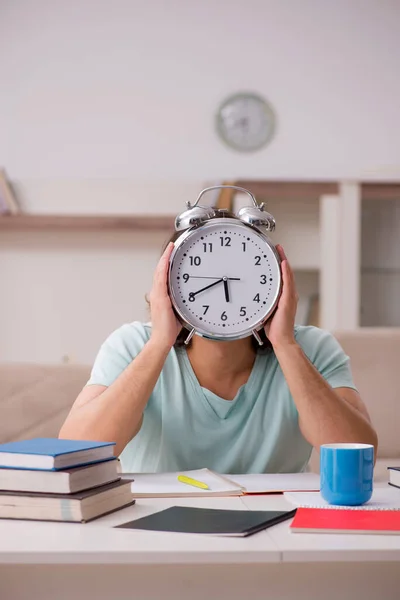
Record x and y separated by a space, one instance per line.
95 561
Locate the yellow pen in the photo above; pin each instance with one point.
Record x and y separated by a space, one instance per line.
194 482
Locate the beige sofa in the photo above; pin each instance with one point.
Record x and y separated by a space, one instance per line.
34 400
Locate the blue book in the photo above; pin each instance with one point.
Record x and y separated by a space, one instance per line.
53 454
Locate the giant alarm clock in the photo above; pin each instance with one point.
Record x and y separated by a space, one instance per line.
224 276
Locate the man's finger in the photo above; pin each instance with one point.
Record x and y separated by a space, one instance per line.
281 252
162 267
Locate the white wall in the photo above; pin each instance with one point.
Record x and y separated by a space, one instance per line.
108 106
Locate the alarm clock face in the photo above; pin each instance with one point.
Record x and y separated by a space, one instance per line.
224 279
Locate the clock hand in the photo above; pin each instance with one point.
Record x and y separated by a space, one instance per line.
193 294
201 277
225 280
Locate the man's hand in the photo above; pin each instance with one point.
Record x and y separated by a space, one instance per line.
280 328
165 325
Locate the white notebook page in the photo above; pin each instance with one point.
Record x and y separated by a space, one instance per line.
168 485
276 482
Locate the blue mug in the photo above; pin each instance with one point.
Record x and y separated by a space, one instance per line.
347 472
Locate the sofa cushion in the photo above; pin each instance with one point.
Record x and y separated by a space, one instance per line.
35 399
375 363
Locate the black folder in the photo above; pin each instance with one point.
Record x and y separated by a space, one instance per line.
208 521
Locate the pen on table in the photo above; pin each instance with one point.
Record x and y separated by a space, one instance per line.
194 482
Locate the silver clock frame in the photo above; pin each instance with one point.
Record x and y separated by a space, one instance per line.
259 231
269 111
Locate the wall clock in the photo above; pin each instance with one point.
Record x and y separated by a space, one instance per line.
224 275
246 122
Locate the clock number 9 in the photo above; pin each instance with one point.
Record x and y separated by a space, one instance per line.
185 277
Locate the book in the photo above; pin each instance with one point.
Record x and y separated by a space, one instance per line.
383 498
4 210
8 202
273 483
208 521
167 485
79 507
322 520
67 481
394 476
53 453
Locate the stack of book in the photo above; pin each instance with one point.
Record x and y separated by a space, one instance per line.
394 476
60 480
8 201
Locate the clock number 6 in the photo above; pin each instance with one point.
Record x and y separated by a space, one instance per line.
224 316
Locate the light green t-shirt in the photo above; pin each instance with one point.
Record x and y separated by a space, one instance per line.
186 426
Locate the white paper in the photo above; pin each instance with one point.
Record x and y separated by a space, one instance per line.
276 482
167 484
382 499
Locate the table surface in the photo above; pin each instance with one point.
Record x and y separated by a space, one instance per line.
98 542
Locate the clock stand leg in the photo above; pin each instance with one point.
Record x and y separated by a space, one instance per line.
189 337
259 340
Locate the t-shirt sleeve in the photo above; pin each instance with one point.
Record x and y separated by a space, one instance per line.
117 352
326 354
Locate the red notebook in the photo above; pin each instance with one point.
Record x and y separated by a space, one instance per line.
331 520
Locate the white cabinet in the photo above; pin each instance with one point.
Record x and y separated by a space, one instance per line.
343 241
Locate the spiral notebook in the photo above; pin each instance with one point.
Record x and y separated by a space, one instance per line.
382 499
354 520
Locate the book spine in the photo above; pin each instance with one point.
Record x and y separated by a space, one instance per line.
4 210
7 195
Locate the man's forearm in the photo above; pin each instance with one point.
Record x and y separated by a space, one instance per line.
324 417
116 414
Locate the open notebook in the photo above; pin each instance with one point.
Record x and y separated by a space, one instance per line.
167 485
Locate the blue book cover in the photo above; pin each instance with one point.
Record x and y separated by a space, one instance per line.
50 446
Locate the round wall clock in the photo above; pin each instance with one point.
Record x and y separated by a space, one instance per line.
246 122
224 277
